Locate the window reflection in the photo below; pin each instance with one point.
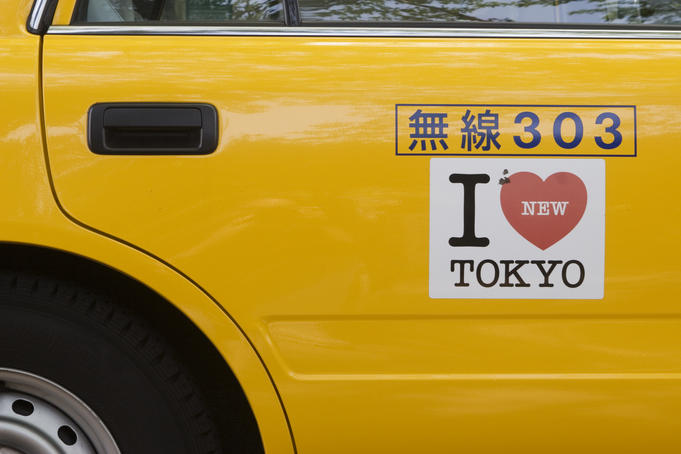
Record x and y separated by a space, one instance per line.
528 11
93 11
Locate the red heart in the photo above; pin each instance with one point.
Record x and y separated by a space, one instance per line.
524 203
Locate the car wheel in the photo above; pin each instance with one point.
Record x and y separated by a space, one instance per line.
80 374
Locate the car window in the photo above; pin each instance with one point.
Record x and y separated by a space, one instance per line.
527 11
93 11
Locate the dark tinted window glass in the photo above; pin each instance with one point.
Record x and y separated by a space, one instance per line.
528 11
93 11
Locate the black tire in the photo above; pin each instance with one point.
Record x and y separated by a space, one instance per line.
109 358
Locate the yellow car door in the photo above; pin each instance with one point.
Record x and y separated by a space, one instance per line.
444 227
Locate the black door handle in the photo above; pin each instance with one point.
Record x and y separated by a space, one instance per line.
152 128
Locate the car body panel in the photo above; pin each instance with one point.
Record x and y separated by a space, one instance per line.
313 234
32 216
64 12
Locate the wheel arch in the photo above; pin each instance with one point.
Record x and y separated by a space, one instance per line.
202 334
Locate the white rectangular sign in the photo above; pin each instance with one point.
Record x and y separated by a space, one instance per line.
517 228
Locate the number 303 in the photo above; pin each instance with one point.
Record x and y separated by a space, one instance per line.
613 138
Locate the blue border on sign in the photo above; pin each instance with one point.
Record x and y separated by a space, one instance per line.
482 155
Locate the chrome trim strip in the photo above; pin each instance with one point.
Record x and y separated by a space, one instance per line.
36 15
362 32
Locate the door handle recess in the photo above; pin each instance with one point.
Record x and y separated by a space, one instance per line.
152 129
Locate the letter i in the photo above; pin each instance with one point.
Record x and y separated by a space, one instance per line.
469 182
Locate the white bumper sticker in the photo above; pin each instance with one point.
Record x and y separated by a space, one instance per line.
517 228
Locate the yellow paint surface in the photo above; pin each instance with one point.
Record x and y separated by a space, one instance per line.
30 215
64 12
314 235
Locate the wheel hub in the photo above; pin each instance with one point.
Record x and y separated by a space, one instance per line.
37 416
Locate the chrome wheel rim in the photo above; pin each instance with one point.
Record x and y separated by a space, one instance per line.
37 416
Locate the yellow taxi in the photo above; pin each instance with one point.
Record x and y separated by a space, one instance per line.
340 226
